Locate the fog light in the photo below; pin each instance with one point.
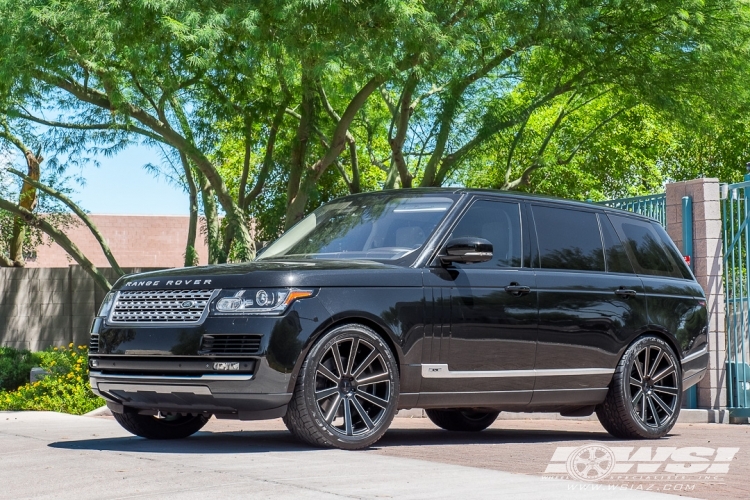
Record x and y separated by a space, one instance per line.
94 363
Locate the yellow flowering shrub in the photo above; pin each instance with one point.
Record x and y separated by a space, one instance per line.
66 388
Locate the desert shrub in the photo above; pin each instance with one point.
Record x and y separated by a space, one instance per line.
15 365
66 388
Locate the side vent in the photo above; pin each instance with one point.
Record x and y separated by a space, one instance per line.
94 344
230 344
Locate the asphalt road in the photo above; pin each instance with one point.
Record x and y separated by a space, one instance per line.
49 455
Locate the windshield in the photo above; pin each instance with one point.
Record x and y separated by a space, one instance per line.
365 227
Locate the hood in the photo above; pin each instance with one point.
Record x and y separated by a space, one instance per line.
279 273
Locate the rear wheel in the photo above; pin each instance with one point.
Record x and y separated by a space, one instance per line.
462 420
347 390
646 392
168 427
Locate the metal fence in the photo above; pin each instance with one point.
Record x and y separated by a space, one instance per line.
736 217
653 205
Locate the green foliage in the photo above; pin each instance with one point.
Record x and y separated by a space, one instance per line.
278 107
15 366
66 389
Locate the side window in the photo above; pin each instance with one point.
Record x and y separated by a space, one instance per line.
568 239
671 249
500 224
645 247
614 250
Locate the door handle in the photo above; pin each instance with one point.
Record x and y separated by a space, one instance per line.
516 289
624 292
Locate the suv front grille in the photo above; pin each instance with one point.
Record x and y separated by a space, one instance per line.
160 306
230 344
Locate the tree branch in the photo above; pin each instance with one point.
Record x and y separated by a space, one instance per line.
60 238
79 212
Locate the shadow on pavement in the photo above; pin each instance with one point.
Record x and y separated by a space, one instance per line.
438 437
239 442
200 443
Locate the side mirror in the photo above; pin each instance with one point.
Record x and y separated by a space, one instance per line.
467 250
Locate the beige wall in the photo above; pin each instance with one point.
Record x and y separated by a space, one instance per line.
135 240
707 267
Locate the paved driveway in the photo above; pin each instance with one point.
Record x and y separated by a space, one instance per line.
48 455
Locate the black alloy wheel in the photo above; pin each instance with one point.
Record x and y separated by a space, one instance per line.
170 426
347 390
646 392
462 420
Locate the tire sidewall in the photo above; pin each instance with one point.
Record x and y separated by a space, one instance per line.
309 370
633 350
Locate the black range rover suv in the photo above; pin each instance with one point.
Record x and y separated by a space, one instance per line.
462 302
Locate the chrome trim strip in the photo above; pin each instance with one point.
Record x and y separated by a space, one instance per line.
229 377
164 324
159 389
442 371
695 355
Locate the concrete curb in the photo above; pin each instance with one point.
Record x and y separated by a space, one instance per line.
99 412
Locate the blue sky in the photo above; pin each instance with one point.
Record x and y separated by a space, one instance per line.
122 186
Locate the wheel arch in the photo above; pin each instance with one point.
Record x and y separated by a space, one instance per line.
381 330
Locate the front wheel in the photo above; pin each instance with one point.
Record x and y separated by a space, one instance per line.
644 397
462 420
169 427
347 390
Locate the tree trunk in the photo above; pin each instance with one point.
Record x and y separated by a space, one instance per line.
299 147
27 200
191 255
210 211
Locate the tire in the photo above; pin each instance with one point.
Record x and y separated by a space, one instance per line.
462 420
170 427
645 394
331 406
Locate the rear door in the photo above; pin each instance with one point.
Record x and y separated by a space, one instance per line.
669 286
590 302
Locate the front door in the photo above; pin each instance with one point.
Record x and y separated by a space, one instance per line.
487 356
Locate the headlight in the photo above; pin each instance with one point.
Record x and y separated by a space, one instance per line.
258 300
107 303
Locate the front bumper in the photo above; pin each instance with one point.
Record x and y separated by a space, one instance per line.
262 394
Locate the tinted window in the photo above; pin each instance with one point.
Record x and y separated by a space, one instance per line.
671 249
500 223
614 250
568 239
645 247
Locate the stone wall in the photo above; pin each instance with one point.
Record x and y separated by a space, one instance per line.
43 307
708 270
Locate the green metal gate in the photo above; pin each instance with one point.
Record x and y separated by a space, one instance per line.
736 217
653 205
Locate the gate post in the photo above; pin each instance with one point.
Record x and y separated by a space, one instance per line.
708 270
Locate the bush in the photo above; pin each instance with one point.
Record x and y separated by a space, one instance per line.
66 388
15 366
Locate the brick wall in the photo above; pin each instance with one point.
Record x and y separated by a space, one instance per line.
43 307
135 241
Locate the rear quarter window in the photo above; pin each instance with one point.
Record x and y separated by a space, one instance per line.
646 248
